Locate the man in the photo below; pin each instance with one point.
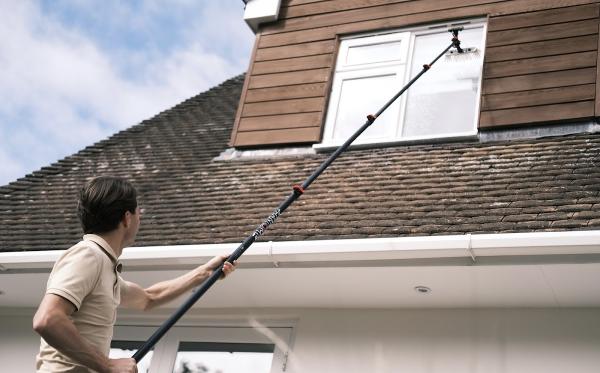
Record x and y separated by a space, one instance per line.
78 311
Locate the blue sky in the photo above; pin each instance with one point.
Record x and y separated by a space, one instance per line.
72 72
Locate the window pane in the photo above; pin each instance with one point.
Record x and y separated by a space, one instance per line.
443 101
200 357
125 349
362 96
372 53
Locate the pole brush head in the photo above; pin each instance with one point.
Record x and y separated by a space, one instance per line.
456 30
470 53
457 53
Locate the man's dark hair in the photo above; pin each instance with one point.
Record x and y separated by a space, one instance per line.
103 201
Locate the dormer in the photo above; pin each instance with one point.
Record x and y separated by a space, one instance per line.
319 67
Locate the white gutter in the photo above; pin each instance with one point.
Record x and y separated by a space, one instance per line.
327 251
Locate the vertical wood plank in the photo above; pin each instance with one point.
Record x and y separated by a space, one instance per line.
240 107
527 94
597 111
537 47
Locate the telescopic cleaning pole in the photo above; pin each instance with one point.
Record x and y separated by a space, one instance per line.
297 191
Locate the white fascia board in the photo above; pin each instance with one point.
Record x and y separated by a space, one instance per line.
260 11
324 251
28 259
547 243
371 249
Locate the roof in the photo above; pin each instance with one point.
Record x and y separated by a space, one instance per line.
548 184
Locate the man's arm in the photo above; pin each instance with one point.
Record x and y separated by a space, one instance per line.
53 323
134 296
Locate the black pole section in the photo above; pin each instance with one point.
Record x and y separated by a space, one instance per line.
298 190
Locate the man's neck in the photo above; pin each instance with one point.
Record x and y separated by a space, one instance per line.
115 240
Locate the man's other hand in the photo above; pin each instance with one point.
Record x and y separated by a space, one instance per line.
215 262
127 365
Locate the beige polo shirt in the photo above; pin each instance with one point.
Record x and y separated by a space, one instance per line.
87 276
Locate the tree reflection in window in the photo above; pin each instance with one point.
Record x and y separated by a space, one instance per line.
203 357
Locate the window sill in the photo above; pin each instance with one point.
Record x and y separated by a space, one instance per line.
327 146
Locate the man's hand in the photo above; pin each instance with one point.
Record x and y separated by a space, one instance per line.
127 365
216 262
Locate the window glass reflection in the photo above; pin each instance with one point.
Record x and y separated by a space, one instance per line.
201 357
124 349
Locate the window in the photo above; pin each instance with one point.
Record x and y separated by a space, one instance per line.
208 357
125 349
207 349
371 69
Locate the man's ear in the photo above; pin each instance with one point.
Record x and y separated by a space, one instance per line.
126 219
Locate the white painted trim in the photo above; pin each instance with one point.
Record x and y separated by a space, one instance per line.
408 140
323 251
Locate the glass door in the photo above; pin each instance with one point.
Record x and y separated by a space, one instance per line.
127 340
210 357
195 349
225 350
123 349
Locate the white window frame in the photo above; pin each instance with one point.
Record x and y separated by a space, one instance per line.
344 72
165 351
402 37
350 74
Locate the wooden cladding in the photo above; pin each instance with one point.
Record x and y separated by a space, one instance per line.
540 61
540 67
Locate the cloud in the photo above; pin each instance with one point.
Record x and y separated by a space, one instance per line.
68 80
11 168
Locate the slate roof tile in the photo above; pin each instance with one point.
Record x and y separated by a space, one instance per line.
534 185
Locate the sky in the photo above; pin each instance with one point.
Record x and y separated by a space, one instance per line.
73 72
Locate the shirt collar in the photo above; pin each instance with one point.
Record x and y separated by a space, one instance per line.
106 247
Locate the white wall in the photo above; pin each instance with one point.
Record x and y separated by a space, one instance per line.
18 342
415 341
428 341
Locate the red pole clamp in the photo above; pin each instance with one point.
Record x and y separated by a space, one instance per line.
298 188
371 117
